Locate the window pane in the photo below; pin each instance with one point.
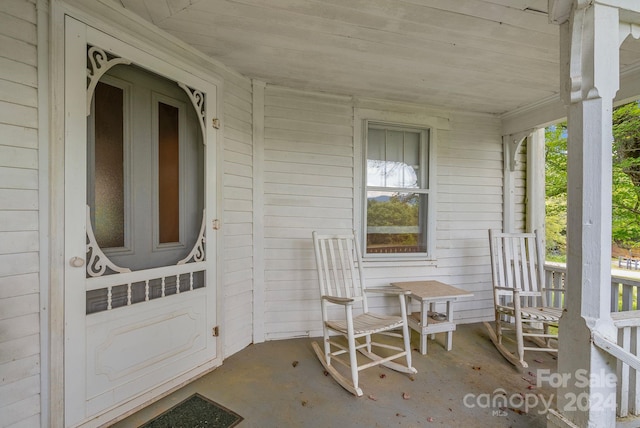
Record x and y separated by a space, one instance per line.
376 158
396 222
411 177
109 166
391 174
376 140
393 158
169 174
394 147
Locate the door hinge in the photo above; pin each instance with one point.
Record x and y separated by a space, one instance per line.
215 224
215 331
216 123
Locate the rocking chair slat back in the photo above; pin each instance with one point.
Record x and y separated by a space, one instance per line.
517 265
340 269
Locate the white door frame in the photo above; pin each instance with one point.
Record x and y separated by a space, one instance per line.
157 51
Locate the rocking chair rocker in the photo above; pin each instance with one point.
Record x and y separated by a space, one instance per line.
520 298
340 273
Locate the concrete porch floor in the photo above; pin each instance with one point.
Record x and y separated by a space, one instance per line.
472 386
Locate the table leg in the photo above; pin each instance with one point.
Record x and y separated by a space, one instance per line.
433 310
423 326
449 319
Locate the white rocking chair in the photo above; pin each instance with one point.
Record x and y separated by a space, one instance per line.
340 273
520 298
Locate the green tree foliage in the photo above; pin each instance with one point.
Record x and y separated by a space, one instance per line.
556 191
626 181
398 210
626 176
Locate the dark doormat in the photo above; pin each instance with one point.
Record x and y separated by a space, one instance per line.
196 412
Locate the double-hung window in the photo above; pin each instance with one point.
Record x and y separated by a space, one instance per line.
399 196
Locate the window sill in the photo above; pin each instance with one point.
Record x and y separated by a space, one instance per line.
398 262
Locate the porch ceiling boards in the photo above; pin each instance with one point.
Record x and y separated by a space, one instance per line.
476 55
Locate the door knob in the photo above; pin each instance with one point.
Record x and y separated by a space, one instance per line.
76 261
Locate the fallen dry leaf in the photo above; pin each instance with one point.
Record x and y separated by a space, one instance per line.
518 411
326 373
529 381
304 403
295 363
382 375
476 367
429 419
371 397
405 396
531 387
538 361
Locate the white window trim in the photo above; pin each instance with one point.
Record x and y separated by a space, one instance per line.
361 118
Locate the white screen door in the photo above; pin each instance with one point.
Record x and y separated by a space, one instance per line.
140 187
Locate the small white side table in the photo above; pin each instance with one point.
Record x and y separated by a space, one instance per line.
431 292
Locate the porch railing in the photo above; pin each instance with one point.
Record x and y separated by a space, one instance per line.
626 317
628 395
624 291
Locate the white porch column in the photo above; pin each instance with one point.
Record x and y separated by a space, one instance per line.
536 183
590 78
508 186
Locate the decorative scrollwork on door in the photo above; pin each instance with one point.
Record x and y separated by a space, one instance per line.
198 100
197 254
98 262
99 63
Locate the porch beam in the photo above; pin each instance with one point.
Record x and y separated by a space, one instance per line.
590 78
552 110
626 5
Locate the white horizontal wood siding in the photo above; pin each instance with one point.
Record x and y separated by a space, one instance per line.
308 185
238 213
470 196
19 216
309 181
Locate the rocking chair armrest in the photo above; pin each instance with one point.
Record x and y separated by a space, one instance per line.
339 300
395 291
513 289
